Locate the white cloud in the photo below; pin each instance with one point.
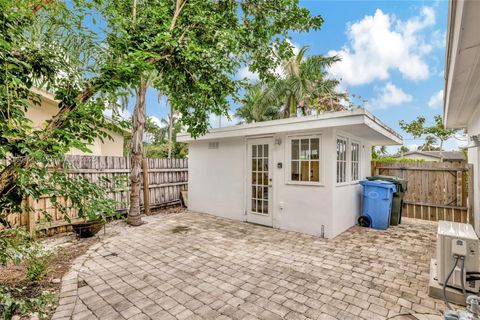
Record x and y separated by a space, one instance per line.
436 100
125 114
156 121
381 43
412 146
388 96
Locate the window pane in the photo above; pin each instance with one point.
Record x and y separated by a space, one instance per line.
254 165
295 148
265 150
315 171
254 151
260 151
304 149
254 205
305 172
314 148
295 171
265 207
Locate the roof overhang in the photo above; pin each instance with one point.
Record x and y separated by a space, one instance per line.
360 123
462 66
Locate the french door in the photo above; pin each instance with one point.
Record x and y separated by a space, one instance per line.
259 181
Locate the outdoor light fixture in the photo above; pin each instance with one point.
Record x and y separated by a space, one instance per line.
474 141
278 142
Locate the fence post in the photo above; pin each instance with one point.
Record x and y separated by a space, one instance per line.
146 195
31 216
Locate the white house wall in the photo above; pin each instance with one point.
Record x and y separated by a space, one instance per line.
216 178
217 185
306 207
347 202
474 159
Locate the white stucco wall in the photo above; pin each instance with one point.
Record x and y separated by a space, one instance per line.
474 158
347 202
216 178
217 185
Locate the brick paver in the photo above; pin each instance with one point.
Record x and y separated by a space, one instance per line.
224 269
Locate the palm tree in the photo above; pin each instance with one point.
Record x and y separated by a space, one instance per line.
255 107
303 83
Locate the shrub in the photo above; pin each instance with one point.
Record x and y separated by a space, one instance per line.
12 302
37 267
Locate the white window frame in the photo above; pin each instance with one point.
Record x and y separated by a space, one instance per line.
288 161
348 176
358 162
345 161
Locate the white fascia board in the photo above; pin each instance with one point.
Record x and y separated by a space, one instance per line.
336 119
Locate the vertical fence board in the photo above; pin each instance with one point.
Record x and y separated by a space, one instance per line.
436 190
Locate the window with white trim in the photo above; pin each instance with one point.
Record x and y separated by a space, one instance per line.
341 160
355 161
305 159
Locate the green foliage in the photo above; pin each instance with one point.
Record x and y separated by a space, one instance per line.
432 134
393 159
13 303
302 87
37 264
15 245
179 150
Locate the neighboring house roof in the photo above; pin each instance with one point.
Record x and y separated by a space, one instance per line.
462 66
51 98
445 155
359 122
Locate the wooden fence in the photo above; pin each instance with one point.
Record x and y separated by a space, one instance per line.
436 190
163 181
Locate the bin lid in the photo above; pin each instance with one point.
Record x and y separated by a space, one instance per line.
379 183
399 182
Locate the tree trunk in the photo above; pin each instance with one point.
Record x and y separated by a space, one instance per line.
170 132
293 107
139 117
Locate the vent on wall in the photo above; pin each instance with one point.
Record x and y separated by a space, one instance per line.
213 145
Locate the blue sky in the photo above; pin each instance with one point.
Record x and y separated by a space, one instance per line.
392 55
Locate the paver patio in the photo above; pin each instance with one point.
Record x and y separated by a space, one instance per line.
197 266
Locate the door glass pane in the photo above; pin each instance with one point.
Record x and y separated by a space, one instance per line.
265 207
265 165
265 150
305 174
260 151
265 193
259 192
259 206
254 165
314 171
304 150
254 205
314 148
295 149
260 164
254 151
254 178
265 178
295 171
254 192
259 178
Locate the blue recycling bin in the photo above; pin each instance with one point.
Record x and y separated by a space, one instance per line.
377 202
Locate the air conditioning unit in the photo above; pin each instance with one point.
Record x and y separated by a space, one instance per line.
458 240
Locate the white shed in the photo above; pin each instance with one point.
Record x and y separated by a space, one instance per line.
299 174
